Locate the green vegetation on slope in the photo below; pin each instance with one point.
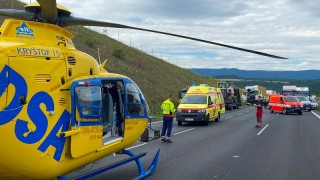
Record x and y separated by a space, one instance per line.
155 77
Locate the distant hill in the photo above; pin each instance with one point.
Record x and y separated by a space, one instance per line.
314 85
155 77
258 74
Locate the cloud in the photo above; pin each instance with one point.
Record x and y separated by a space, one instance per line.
288 28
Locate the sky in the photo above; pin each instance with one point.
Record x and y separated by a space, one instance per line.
287 28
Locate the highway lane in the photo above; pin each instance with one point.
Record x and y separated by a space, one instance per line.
232 149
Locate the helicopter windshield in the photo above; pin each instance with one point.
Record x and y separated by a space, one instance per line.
134 102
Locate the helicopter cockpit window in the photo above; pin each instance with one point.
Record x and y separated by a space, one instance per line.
134 102
89 103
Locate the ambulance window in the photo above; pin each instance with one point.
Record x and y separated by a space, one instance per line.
291 99
194 99
221 97
134 100
88 103
281 99
214 99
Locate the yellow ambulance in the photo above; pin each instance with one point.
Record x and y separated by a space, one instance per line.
200 104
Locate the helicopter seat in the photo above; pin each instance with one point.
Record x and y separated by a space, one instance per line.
117 125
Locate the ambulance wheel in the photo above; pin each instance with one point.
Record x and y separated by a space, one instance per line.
271 110
206 123
179 123
218 118
284 111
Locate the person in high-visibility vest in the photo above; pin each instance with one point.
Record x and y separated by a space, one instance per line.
167 110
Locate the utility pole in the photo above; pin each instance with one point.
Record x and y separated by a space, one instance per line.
99 56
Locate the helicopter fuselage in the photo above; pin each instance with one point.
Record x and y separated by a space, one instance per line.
59 109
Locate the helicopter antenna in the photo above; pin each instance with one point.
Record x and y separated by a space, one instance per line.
99 56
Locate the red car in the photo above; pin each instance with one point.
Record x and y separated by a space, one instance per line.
285 104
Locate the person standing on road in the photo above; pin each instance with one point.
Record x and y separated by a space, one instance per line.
259 105
167 110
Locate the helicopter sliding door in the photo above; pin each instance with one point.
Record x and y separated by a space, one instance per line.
87 113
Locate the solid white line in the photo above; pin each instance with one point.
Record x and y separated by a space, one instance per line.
230 116
263 129
156 122
315 114
239 113
136 146
183 131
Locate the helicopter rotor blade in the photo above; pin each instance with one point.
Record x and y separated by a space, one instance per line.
72 21
49 13
49 10
20 14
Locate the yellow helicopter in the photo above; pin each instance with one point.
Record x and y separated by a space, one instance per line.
59 108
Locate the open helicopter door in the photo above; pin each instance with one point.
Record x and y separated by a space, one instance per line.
97 115
86 118
113 111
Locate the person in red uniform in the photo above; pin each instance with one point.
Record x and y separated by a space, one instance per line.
259 105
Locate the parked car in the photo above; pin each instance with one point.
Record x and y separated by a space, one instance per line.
314 104
305 103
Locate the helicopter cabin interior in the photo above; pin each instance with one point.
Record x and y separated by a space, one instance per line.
108 104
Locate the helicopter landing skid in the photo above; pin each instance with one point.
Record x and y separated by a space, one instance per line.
133 157
143 174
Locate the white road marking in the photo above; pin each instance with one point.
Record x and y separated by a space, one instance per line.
315 114
183 131
231 116
247 111
156 122
136 146
263 129
239 113
235 156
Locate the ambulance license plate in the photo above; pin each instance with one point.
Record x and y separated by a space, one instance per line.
189 119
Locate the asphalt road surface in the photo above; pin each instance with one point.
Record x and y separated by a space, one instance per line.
286 147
